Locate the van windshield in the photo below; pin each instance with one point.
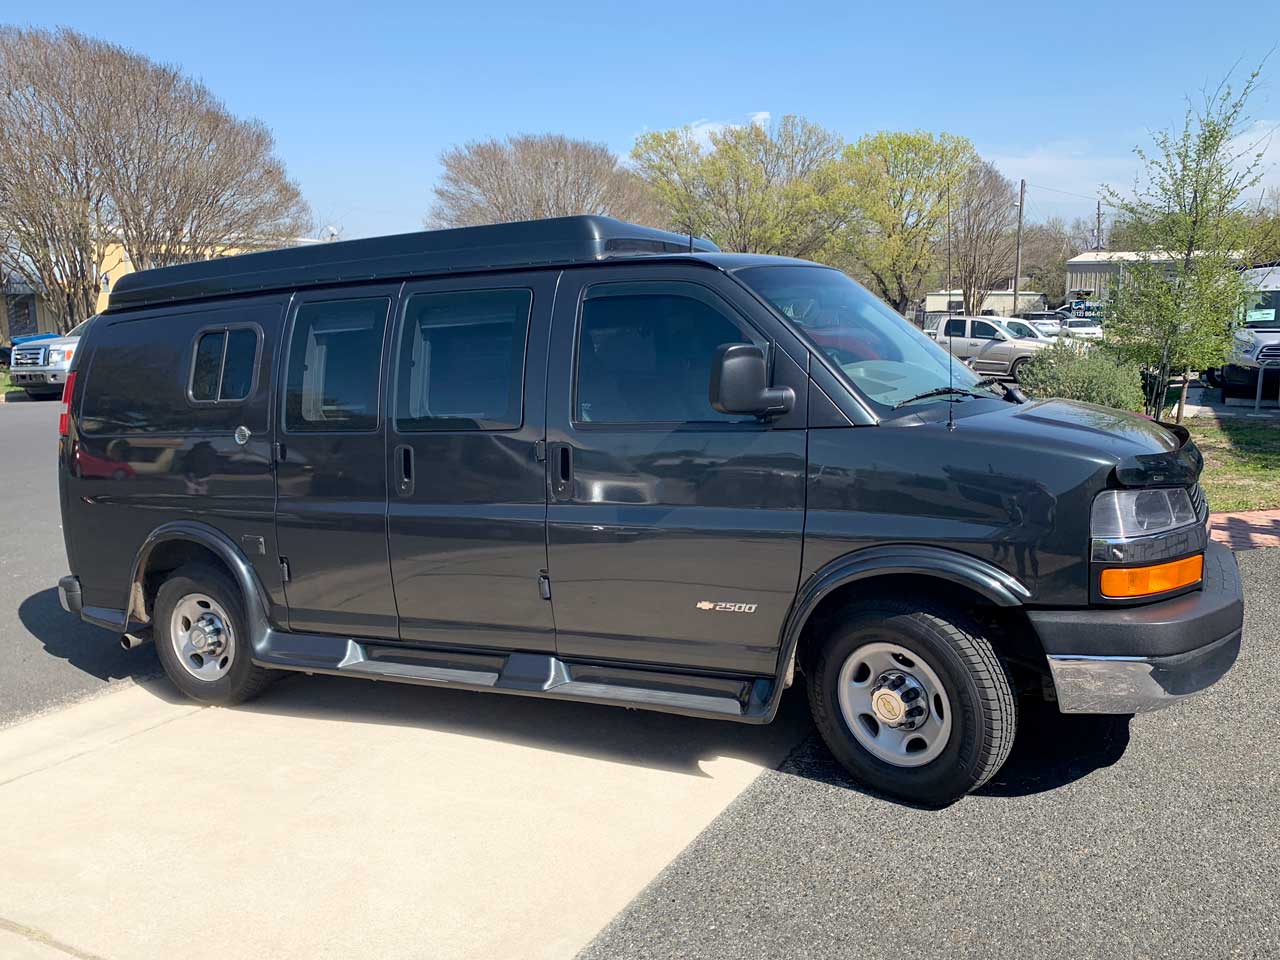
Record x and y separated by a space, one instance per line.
1262 312
886 357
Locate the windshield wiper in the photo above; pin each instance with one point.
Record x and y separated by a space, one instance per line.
944 391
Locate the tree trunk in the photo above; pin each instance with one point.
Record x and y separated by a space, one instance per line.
1182 396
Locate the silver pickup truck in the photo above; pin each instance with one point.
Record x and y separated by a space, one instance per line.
40 366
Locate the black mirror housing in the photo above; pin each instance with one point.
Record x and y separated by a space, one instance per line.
740 383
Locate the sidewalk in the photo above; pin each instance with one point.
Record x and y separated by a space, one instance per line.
344 819
1248 530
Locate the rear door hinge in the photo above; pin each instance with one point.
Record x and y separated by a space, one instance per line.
284 569
544 586
540 451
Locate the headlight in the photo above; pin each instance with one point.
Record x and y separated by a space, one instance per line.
1121 514
61 354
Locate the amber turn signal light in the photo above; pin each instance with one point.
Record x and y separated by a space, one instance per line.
1124 582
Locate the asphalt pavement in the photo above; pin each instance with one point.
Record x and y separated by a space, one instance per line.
47 658
1103 837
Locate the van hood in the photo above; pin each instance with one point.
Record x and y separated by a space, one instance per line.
1142 451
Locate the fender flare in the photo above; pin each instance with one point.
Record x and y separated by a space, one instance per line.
1000 587
246 578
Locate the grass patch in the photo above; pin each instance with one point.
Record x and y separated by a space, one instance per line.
1241 462
6 385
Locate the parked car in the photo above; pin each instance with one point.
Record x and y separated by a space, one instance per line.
1025 330
6 354
988 346
1046 321
1080 328
586 460
39 364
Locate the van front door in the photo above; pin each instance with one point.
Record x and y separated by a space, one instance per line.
331 485
468 501
674 531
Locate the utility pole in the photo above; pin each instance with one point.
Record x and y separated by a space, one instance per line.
1017 249
1097 230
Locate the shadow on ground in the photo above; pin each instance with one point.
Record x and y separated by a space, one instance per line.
1051 750
84 646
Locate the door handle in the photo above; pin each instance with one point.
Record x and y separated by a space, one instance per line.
562 470
404 470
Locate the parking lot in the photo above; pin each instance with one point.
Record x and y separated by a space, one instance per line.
339 818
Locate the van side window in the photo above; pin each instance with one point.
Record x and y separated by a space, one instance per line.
335 354
461 360
645 350
223 365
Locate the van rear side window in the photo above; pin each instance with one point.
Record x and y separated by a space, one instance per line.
223 365
335 355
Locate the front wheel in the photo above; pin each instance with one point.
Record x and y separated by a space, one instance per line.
1018 370
914 703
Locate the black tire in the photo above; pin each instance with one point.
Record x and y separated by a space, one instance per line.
983 707
244 680
1019 365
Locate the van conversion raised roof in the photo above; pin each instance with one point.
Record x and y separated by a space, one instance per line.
559 241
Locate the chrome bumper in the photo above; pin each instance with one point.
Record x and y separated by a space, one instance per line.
1093 684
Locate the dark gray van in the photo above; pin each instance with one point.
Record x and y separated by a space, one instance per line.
583 459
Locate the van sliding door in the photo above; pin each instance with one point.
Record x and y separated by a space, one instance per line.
331 484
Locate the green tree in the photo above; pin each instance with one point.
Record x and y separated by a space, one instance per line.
895 186
1176 306
752 189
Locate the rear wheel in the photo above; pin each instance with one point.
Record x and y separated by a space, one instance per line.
202 639
913 702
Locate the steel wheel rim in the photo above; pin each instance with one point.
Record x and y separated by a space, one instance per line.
870 723
202 637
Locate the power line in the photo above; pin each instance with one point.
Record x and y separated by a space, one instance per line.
1078 196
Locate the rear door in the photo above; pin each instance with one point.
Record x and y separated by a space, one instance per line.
468 494
674 532
331 483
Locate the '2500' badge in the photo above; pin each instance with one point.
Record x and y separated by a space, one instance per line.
723 607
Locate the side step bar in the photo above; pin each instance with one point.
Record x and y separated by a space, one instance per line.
528 674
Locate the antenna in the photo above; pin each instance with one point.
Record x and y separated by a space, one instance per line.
951 357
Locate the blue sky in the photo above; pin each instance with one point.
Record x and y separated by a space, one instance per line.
363 97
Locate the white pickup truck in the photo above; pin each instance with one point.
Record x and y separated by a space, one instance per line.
40 366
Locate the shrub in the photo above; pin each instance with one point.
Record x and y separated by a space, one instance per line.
1079 372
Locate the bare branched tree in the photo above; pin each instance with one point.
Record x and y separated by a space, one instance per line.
101 149
55 214
982 222
528 177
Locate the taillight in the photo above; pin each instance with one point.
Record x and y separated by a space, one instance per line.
64 418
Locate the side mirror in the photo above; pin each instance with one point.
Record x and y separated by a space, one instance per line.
740 383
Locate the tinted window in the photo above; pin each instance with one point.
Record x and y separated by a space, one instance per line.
461 361
335 354
984 331
207 366
237 368
645 352
955 327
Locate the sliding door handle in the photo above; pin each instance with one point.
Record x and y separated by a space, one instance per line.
562 470
403 467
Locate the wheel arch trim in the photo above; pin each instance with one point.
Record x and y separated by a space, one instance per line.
242 572
1000 587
